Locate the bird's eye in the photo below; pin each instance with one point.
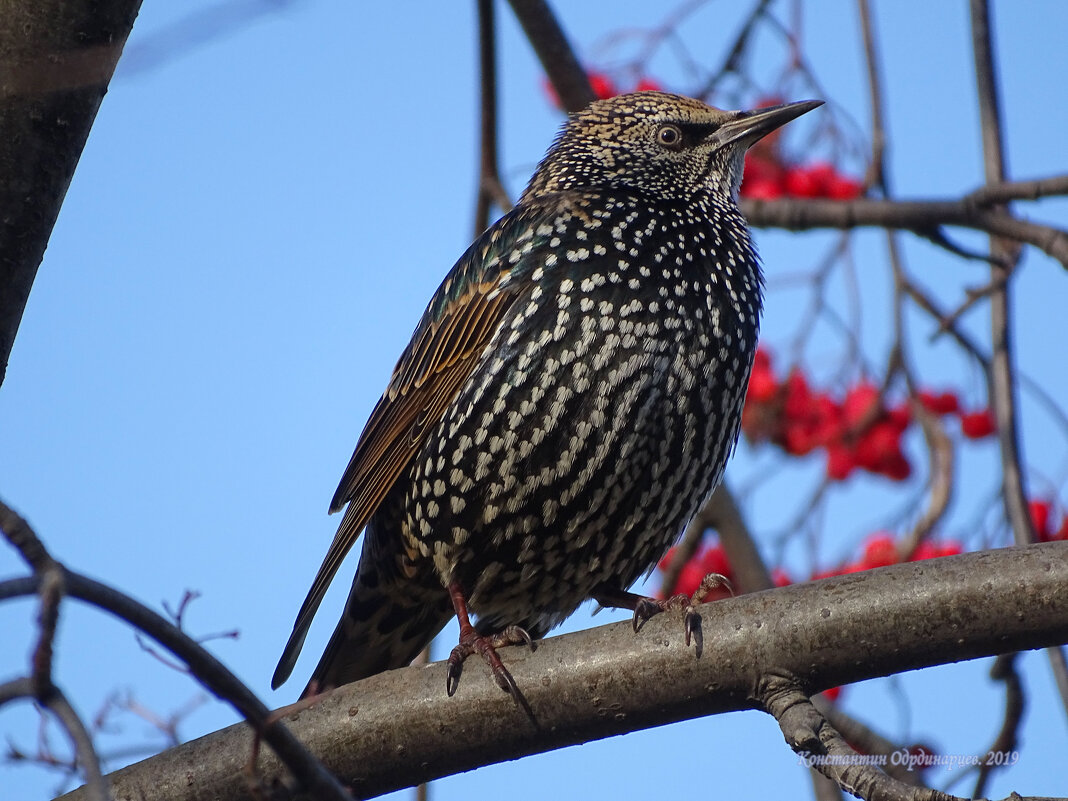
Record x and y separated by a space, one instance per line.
669 136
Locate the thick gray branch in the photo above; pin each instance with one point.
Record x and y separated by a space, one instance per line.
56 59
399 728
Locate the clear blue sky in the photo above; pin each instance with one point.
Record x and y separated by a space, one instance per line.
255 226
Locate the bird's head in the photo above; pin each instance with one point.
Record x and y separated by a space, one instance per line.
657 144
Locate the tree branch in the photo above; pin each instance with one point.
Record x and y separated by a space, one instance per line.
399 728
57 59
490 188
1002 367
922 217
211 673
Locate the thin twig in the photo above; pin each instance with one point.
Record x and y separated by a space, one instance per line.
1004 670
1002 385
490 188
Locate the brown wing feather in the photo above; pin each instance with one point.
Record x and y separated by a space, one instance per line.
438 361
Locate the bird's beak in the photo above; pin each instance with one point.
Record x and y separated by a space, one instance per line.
750 126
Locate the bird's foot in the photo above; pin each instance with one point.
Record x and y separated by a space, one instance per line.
486 646
472 642
645 608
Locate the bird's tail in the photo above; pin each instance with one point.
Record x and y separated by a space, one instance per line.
385 625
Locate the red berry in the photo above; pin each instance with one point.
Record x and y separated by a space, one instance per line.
761 178
896 468
841 187
880 550
647 85
820 174
762 386
757 167
878 446
925 550
761 189
940 403
825 418
832 693
665 560
860 403
714 560
950 548
798 395
800 182
797 440
690 578
780 577
840 462
762 359
602 85
976 425
899 416
1040 519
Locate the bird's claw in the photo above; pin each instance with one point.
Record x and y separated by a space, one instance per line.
486 647
692 624
646 608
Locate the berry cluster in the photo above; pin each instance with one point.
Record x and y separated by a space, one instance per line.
1042 520
858 431
881 550
767 178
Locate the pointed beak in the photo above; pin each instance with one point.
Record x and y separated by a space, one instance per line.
748 127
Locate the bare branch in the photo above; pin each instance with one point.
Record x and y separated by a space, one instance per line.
211 673
1004 670
1002 368
922 217
490 188
811 736
995 194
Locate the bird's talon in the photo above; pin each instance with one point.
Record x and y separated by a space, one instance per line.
693 629
456 667
645 609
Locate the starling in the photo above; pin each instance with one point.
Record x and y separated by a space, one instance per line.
568 400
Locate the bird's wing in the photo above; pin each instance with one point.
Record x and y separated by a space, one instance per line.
452 335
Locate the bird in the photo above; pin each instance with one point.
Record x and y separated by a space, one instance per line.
568 400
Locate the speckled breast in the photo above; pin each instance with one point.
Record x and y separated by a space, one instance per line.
600 417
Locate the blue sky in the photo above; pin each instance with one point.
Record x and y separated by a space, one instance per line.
254 228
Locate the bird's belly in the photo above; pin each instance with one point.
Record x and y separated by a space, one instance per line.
566 463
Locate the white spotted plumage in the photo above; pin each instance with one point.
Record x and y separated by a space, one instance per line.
570 396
